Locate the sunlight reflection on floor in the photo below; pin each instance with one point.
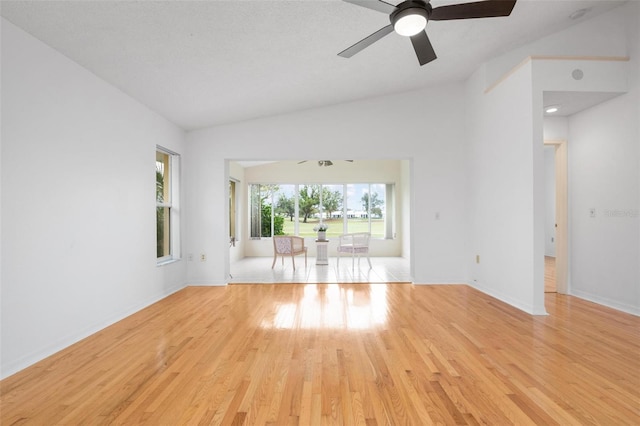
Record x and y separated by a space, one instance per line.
354 307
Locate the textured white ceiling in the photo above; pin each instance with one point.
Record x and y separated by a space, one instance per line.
204 63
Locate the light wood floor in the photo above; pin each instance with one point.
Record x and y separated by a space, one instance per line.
366 354
550 274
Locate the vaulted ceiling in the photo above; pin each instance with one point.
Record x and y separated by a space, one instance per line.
207 63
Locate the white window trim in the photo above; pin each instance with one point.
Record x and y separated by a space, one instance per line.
174 218
389 202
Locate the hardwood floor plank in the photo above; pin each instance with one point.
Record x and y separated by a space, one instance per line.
549 274
353 354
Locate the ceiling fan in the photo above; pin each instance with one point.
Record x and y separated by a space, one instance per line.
410 18
325 163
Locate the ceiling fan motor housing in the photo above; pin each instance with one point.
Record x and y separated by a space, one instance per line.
408 8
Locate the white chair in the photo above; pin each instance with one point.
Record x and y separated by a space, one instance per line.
288 245
356 244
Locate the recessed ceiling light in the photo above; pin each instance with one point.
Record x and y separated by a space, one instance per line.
552 109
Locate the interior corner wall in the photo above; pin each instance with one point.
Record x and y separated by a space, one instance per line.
78 201
421 126
501 189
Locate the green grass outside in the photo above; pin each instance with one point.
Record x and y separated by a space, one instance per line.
336 227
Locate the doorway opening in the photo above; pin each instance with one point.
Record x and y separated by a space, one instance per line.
556 220
352 196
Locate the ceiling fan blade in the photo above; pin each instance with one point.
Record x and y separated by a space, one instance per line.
424 49
366 42
478 9
328 163
377 5
303 161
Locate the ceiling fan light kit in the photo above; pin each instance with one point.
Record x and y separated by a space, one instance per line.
410 19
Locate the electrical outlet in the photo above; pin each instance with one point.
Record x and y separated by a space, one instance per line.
477 258
592 212
203 257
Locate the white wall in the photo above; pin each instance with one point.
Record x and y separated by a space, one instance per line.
78 201
603 174
555 128
501 160
422 126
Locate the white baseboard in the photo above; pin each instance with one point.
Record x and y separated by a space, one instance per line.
34 357
205 284
614 304
525 307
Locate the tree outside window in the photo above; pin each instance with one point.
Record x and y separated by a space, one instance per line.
280 209
266 215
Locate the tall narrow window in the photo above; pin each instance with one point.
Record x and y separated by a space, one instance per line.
256 206
167 229
376 202
367 209
232 211
270 205
284 210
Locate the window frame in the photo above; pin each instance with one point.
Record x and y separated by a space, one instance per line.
172 205
388 216
233 210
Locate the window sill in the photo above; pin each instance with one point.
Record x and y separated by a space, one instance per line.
166 262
